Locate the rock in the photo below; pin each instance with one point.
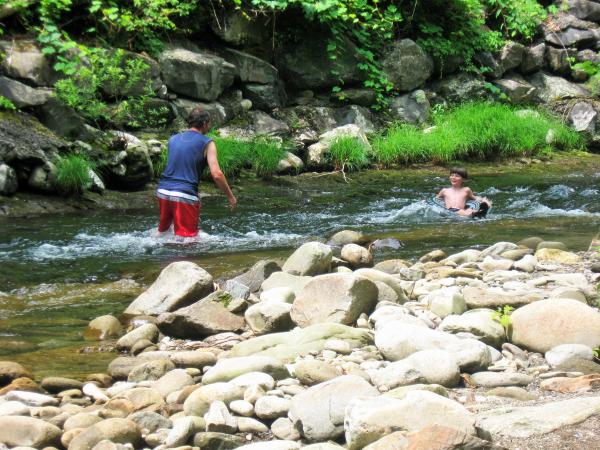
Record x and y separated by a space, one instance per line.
569 292
396 341
391 281
141 397
219 441
344 237
265 97
290 164
439 437
513 392
257 274
393 441
14 408
400 392
406 65
279 295
250 69
8 180
147 331
511 56
43 178
419 368
229 368
269 317
198 403
461 87
193 358
172 381
545 324
24 60
272 445
533 59
526 264
562 354
271 407
218 419
446 301
347 296
491 298
299 342
466 256
285 280
571 37
518 90
526 421
391 266
18 431
179 284
413 108
310 259
10 371
104 327
496 379
58 384
31 398
198 75
357 256
369 419
21 95
120 431
313 372
584 9
318 412
552 88
147 421
203 318
582 117
478 322
317 152
283 428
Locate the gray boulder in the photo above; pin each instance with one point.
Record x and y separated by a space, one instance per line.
413 108
584 9
8 180
572 37
257 274
62 120
518 90
150 371
22 95
338 298
318 412
563 354
406 65
558 60
533 59
198 403
461 87
132 167
369 419
552 88
542 325
265 97
147 331
312 258
285 280
25 61
583 117
478 322
264 125
511 56
198 75
269 317
250 69
179 284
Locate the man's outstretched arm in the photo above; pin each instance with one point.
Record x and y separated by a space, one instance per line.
217 175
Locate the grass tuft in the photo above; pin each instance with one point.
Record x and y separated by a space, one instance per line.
260 154
348 152
73 174
482 131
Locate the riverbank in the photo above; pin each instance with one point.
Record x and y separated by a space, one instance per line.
231 369
28 204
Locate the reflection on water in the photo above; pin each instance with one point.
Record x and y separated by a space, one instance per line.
57 273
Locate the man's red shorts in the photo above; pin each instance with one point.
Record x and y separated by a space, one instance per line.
181 212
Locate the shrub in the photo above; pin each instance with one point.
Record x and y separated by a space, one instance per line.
348 153
476 130
73 174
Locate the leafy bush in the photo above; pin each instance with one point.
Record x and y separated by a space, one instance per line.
348 153
6 104
516 19
73 174
476 130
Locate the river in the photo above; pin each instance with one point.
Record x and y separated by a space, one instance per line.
58 272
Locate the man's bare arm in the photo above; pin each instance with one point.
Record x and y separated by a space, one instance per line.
217 175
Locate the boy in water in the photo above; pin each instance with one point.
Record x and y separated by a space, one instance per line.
455 197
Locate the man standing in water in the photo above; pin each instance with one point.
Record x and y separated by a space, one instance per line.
189 153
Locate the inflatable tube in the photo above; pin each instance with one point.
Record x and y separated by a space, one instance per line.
481 209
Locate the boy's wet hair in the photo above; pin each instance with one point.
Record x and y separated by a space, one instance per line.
460 171
197 118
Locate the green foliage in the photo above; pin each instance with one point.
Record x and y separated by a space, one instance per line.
516 19
73 174
592 69
596 352
502 316
260 154
104 75
476 130
6 104
348 153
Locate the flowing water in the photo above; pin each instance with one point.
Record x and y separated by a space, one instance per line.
59 272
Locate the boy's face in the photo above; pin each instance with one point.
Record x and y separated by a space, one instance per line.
456 180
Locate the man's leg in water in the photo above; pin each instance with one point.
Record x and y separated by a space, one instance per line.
166 215
186 218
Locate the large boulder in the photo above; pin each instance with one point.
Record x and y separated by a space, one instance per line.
8 180
301 341
179 284
369 419
62 120
413 108
131 168
543 325
285 280
517 90
318 412
198 403
406 65
338 298
583 117
461 87
22 95
257 274
533 59
572 37
312 258
251 69
198 75
584 9
552 88
119 431
305 63
204 318
478 322
17 431
265 97
239 29
24 60
269 317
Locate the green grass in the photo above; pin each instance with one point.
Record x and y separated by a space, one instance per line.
7 104
481 131
261 155
72 174
159 167
349 153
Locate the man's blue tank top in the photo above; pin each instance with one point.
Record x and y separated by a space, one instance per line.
185 163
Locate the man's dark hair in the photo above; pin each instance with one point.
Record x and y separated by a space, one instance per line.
460 171
198 117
